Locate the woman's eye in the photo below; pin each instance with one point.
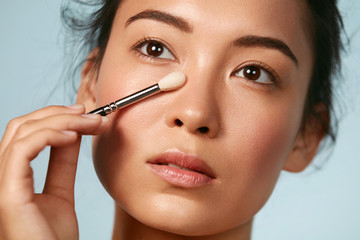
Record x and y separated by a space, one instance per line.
155 49
255 74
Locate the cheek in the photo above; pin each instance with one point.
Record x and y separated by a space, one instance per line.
269 143
119 151
260 143
122 73
119 77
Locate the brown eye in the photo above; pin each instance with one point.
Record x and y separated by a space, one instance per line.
155 49
255 74
252 73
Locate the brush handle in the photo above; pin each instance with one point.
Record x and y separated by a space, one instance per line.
123 102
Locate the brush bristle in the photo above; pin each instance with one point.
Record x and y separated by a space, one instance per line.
172 81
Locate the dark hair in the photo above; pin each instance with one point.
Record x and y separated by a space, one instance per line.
93 30
326 27
88 30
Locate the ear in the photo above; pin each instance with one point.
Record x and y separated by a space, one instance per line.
86 93
307 142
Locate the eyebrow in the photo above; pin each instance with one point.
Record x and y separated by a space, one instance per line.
266 42
183 25
163 17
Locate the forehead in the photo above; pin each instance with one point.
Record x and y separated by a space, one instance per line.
260 15
281 19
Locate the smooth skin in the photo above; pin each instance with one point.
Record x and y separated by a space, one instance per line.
51 214
253 128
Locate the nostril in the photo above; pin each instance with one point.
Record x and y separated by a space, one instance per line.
203 129
178 123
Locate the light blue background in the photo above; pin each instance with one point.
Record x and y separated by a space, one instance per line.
312 205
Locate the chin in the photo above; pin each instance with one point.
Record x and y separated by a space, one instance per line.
183 216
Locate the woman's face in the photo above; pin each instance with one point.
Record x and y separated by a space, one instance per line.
233 124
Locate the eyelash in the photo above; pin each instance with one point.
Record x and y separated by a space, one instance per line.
268 70
138 45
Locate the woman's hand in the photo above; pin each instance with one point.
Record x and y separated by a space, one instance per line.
50 215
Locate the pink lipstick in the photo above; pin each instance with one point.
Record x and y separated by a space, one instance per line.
182 170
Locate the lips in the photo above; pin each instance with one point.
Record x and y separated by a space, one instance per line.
182 170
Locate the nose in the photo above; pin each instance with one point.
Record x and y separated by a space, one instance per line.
194 108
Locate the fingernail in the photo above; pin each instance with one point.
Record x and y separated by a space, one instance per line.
91 116
76 106
69 133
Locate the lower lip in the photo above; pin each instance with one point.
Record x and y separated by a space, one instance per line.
180 177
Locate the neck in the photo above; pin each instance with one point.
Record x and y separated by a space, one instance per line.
128 228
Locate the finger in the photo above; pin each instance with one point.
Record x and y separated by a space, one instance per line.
41 113
61 173
83 124
15 175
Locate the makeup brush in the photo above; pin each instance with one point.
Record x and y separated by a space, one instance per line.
170 82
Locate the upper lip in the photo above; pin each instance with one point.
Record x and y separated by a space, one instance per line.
181 159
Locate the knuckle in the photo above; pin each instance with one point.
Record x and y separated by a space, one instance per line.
24 126
14 123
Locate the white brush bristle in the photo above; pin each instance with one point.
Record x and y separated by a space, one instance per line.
172 81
